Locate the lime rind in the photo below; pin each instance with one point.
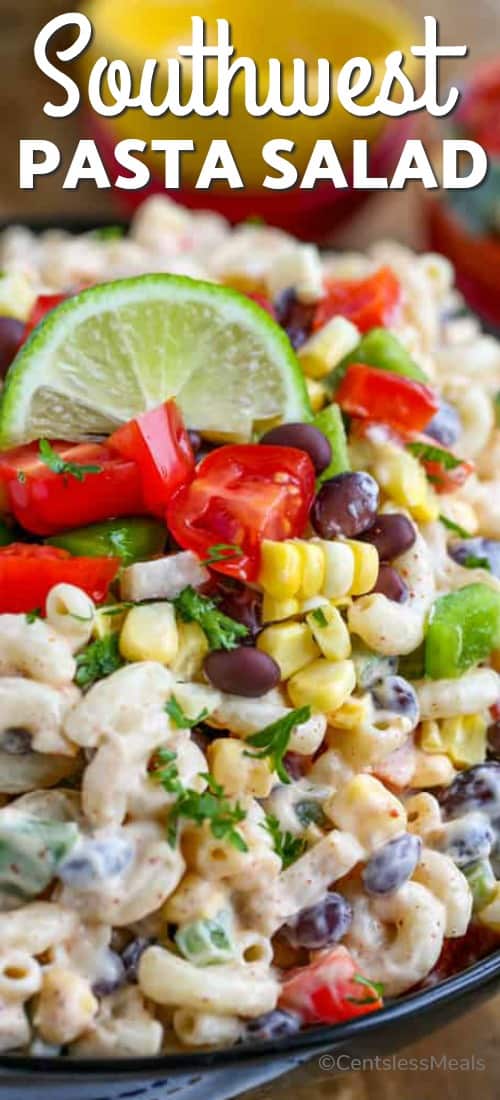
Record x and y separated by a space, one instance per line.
119 348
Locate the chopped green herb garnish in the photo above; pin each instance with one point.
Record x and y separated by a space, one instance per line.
212 806
222 551
98 660
374 987
117 608
21 477
429 453
180 718
455 527
319 617
58 466
32 616
287 846
109 232
221 631
473 561
164 771
273 740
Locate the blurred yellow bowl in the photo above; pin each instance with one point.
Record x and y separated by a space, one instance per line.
134 30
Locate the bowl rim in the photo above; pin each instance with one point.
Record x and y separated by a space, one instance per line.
475 978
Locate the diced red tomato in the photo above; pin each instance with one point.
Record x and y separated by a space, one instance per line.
45 502
159 444
329 990
374 394
368 303
43 305
443 480
27 574
242 495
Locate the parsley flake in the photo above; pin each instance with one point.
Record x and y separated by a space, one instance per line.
212 806
180 718
273 740
32 616
455 527
221 631
375 988
319 617
473 561
287 846
98 660
429 453
222 551
57 464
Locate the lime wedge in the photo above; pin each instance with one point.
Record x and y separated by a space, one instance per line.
120 348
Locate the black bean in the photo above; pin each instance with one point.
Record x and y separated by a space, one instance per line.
131 955
494 740
395 694
112 978
345 505
478 788
321 924
445 426
241 603
391 584
95 861
294 316
305 437
468 838
485 552
392 865
242 671
16 742
11 334
273 1025
392 534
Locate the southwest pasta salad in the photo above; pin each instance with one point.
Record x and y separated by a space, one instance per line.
249 635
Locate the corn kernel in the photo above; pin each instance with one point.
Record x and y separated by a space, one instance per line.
330 632
317 394
234 766
275 611
326 348
464 739
17 295
312 562
429 737
432 770
280 570
323 685
339 568
366 566
192 648
298 266
354 714
106 623
490 915
290 644
149 633
196 898
403 478
365 808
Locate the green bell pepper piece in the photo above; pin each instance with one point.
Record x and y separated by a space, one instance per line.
380 348
463 629
207 942
330 422
131 540
30 852
482 882
5 534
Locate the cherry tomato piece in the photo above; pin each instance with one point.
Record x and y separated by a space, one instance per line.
374 394
329 990
241 495
368 303
27 574
159 444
